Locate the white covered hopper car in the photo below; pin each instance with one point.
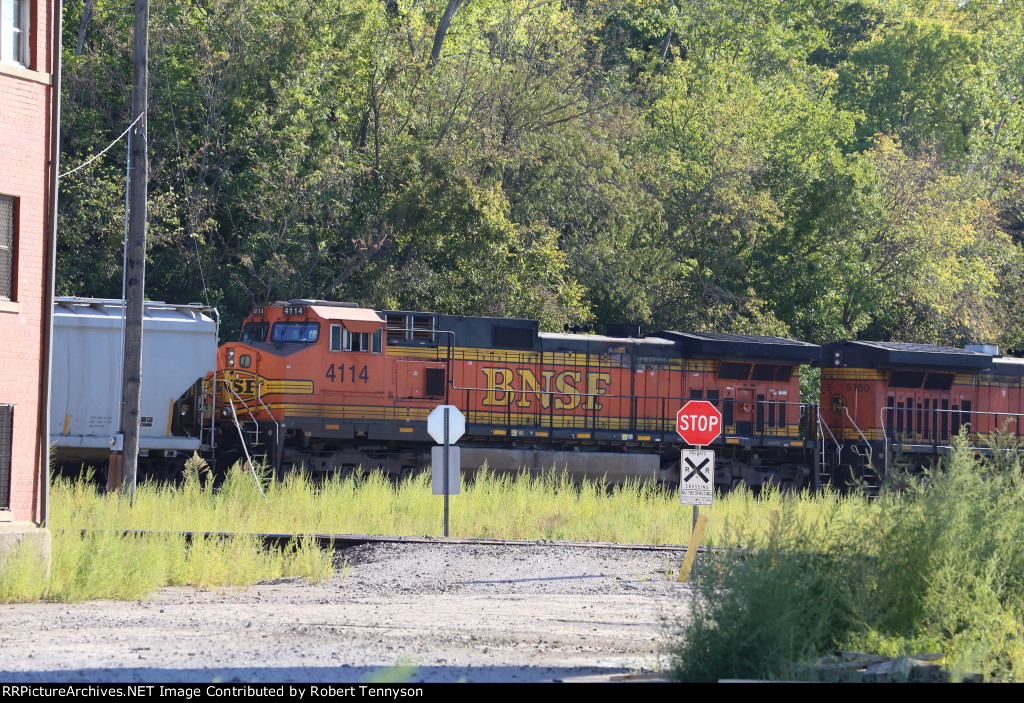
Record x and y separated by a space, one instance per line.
179 348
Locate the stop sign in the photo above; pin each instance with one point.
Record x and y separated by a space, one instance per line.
698 422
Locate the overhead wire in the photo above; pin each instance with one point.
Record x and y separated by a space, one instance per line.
108 148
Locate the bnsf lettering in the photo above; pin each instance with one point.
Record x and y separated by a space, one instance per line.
244 386
568 390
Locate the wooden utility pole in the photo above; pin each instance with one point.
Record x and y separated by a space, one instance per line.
135 257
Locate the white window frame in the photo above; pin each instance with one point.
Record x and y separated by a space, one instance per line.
9 35
343 340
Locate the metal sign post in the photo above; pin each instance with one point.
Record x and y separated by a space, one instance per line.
447 413
699 423
446 424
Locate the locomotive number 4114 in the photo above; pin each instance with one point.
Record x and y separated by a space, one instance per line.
337 373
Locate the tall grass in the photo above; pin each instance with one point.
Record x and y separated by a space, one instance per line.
936 566
109 564
511 506
92 556
105 563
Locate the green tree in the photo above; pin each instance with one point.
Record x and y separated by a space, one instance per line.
917 83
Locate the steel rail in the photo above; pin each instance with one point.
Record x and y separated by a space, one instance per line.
344 541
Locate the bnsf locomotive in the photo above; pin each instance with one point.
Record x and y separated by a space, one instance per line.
331 386
886 401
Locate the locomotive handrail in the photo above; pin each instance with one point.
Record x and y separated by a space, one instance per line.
852 422
683 401
758 431
241 435
941 411
277 425
821 422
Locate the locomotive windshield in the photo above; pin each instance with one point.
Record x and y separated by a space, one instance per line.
305 332
255 332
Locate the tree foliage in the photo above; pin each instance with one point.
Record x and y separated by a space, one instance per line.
819 169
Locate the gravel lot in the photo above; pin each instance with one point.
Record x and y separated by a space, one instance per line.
399 612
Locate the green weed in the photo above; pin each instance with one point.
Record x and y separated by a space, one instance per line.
22 574
935 566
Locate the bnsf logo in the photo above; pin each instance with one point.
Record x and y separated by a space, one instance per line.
243 384
568 389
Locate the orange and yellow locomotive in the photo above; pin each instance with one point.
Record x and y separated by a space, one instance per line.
881 401
332 386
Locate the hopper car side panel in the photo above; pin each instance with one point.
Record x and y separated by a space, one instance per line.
179 349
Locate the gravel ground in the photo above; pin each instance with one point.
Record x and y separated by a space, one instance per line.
413 613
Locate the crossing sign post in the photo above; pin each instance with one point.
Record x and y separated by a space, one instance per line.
446 424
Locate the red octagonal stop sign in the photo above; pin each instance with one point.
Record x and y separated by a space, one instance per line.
698 422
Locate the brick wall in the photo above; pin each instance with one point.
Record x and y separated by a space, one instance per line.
25 96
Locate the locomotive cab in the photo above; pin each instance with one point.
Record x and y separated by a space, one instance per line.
298 371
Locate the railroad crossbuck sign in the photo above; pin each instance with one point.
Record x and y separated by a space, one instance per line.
696 476
699 423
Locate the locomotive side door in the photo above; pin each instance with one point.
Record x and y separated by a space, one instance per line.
738 407
729 410
421 380
921 410
936 403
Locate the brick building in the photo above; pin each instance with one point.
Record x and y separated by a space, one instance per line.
29 118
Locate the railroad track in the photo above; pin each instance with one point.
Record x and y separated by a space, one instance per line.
344 541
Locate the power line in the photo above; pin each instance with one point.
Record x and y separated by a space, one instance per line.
109 146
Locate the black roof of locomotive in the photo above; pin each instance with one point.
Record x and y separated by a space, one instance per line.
714 345
1008 366
859 354
521 333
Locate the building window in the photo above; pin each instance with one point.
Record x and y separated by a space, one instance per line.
6 433
6 248
14 31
